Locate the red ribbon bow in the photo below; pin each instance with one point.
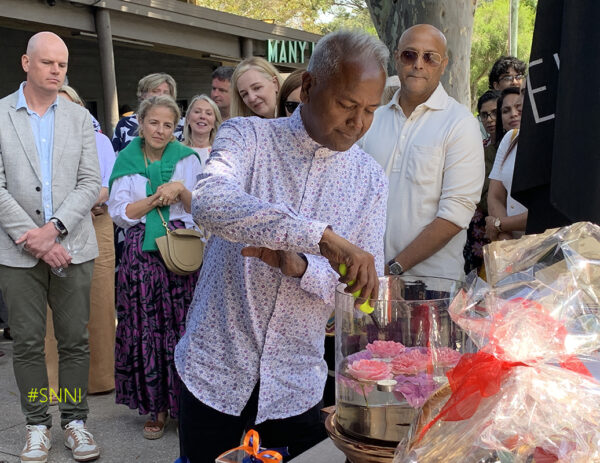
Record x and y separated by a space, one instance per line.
480 375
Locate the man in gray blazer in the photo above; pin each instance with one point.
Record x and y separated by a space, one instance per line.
49 181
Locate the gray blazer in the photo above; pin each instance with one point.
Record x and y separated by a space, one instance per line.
75 180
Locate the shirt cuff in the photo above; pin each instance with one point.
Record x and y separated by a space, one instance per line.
319 279
306 238
458 212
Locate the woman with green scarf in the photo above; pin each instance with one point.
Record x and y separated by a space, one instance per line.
153 172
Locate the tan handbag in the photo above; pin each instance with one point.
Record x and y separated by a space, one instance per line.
182 250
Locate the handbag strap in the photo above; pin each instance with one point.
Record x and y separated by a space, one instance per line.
164 222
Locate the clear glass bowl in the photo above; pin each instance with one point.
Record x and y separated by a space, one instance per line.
389 362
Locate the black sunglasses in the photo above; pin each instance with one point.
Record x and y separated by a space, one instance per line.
291 106
429 57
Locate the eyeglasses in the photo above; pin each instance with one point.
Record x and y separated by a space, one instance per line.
430 58
511 79
485 116
291 106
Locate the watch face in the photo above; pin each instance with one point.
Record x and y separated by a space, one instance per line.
395 268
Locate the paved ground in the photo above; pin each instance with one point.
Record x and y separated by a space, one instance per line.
117 429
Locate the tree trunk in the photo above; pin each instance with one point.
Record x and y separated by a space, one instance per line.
453 17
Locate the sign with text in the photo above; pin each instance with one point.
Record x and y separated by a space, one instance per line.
289 51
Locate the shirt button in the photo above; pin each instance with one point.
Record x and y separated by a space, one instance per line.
37 188
47 184
43 140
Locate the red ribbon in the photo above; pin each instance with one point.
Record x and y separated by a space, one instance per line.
480 375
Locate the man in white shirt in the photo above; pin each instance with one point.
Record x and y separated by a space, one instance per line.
431 149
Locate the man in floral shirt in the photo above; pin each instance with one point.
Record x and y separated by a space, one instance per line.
286 200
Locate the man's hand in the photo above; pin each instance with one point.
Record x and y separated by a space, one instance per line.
38 241
291 264
57 256
360 264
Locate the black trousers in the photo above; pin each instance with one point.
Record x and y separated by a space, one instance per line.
205 433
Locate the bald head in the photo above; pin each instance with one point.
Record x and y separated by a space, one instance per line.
424 30
45 63
43 40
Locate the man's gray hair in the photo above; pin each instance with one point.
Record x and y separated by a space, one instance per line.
342 45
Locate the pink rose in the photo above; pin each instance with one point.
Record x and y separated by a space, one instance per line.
410 362
446 357
385 349
369 370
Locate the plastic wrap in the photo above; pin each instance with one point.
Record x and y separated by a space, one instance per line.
531 393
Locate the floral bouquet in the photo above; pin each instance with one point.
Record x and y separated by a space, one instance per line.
531 393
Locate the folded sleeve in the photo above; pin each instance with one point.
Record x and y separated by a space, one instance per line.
464 172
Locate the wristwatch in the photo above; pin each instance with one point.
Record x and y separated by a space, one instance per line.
60 227
395 267
498 224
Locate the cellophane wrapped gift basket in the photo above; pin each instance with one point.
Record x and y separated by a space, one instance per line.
531 393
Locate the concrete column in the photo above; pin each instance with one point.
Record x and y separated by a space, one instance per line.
107 67
247 48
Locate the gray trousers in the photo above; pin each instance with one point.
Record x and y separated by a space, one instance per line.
26 292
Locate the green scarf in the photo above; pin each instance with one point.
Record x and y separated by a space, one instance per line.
131 161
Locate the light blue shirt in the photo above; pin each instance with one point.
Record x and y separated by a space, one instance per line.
43 132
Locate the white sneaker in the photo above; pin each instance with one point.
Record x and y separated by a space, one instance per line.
80 441
37 445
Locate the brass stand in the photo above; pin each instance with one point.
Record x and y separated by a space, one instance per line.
355 450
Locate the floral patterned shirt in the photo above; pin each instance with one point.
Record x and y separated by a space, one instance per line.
267 183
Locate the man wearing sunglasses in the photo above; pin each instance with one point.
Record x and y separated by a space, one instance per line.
431 149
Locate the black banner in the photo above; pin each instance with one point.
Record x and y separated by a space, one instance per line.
557 168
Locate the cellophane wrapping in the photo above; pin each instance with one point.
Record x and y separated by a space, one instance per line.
531 393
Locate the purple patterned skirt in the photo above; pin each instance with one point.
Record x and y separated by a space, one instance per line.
152 305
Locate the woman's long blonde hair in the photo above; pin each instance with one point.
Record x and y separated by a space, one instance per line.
187 130
238 107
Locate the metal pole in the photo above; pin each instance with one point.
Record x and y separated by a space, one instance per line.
514 26
107 66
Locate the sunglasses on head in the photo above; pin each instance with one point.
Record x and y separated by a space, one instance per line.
291 106
430 58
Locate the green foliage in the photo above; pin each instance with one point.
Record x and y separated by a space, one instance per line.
318 16
299 14
348 14
489 40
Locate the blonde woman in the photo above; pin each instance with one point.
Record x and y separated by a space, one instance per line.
202 120
255 84
154 173
159 83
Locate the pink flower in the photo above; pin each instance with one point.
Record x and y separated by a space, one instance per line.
369 370
360 355
385 349
415 389
363 389
446 357
410 362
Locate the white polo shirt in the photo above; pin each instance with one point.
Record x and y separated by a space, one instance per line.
434 161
